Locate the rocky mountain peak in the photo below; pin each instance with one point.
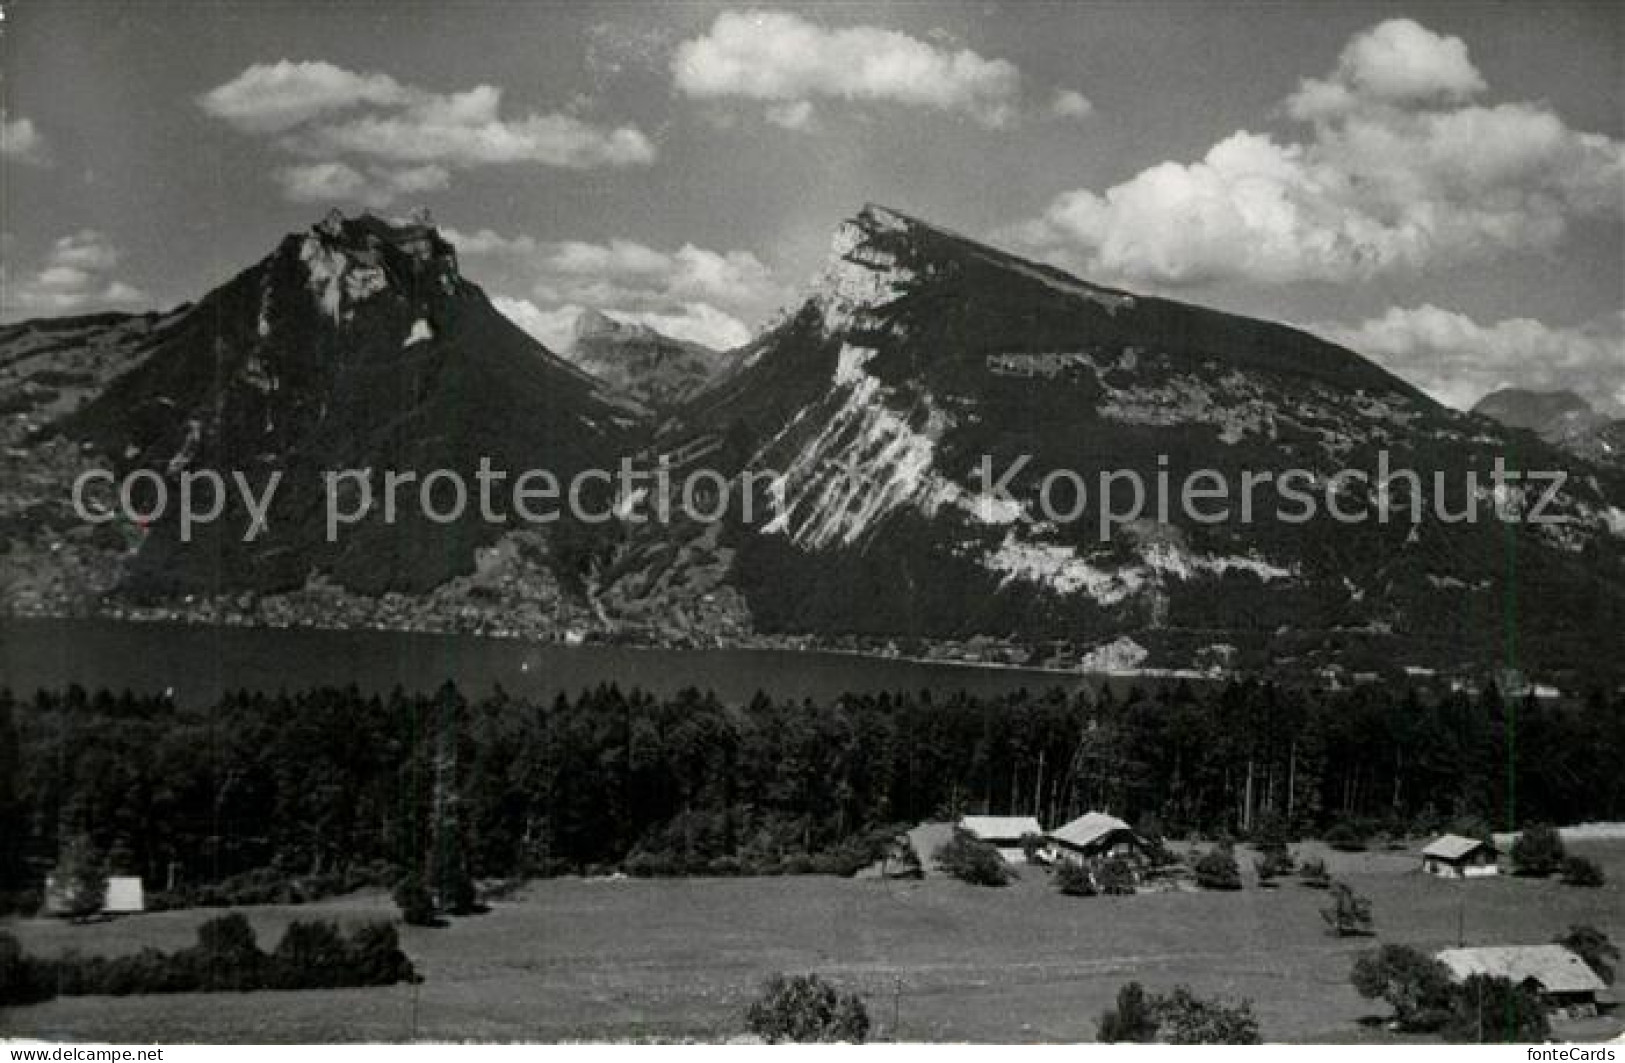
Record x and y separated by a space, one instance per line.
592 325
349 260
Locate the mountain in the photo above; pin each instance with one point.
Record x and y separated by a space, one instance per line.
1563 419
861 424
634 359
919 354
357 344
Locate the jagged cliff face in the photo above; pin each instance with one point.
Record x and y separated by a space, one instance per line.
636 360
918 354
355 345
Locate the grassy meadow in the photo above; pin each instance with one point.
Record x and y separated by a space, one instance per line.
617 959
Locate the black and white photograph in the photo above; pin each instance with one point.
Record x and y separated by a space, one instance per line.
707 523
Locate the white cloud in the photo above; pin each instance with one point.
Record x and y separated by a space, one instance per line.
21 141
1457 360
1396 173
781 59
325 182
337 117
75 275
1395 62
691 293
271 97
1071 104
552 328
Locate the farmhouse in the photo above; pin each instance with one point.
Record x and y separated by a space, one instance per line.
1003 832
1563 980
1454 856
124 895
1094 835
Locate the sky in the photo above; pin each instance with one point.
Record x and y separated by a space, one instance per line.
1439 185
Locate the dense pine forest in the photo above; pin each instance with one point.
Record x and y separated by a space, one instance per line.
330 788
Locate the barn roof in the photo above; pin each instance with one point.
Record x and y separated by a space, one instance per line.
1455 847
1088 829
987 827
1554 967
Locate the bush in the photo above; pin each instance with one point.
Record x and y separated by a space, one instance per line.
1272 864
376 957
23 980
1074 880
1189 1020
1594 947
1349 914
804 1008
1417 986
311 955
1218 871
1313 873
971 860
1488 1010
1115 877
1132 1021
1583 871
227 955
1348 836
1538 850
412 898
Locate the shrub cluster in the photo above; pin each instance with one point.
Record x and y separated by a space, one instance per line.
1217 870
709 843
1538 850
804 1008
271 885
226 958
1179 1018
974 861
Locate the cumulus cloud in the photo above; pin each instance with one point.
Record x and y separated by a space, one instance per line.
552 328
21 141
272 97
1396 171
786 62
375 139
691 293
75 275
339 182
1071 104
1458 361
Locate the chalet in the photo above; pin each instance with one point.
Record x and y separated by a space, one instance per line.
1563 980
124 896
1094 835
1454 856
1003 833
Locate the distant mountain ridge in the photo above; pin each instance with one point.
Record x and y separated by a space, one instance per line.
1563 419
634 359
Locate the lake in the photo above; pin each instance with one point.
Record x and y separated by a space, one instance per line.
197 662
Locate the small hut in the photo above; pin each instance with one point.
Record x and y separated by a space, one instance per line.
1562 979
1004 833
1092 836
1454 856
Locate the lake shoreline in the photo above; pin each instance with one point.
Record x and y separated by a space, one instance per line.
198 660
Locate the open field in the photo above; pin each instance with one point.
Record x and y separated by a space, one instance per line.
616 959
